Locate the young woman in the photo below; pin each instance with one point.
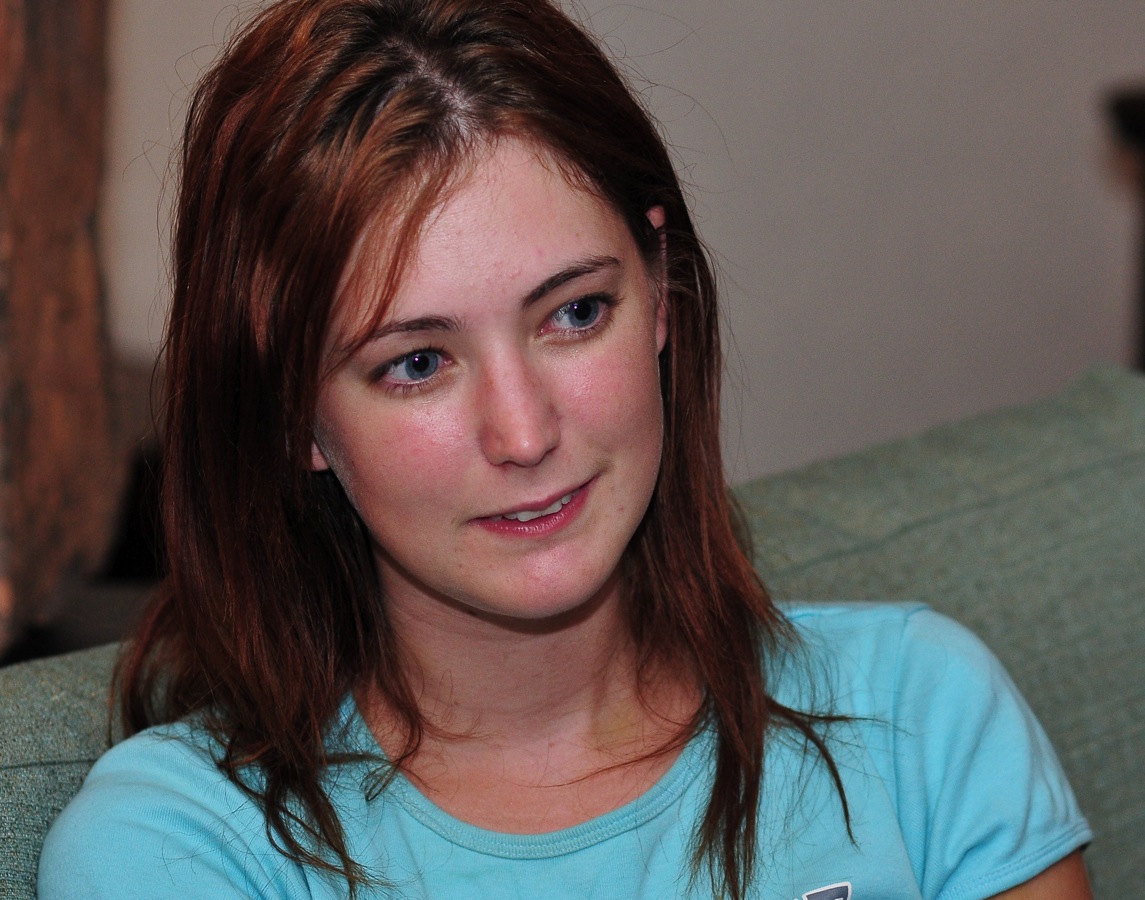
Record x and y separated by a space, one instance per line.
455 604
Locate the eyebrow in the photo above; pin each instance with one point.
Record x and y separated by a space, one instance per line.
587 266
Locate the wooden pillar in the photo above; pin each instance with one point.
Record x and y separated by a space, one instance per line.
59 476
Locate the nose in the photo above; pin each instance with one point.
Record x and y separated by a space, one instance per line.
518 419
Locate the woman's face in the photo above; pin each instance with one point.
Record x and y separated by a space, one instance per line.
500 432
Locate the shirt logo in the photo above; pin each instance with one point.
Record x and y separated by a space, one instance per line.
840 891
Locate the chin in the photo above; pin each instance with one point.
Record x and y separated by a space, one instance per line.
545 611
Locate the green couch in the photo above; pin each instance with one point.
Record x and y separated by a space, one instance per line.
1028 525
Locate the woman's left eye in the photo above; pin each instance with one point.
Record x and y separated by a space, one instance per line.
579 314
413 367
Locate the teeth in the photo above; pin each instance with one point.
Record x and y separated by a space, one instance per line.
527 515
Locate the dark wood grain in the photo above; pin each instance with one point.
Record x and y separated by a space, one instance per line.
59 475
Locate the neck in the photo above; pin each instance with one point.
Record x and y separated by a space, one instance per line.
551 701
530 725
478 677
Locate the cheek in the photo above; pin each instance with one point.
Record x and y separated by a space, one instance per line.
619 397
391 466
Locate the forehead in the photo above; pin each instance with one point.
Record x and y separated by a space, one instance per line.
510 218
515 216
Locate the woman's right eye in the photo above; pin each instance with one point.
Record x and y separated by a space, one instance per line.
413 367
579 315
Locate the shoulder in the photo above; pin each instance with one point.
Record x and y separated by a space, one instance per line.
908 666
864 659
156 818
880 627
981 801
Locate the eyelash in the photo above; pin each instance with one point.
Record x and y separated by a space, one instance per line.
405 388
607 304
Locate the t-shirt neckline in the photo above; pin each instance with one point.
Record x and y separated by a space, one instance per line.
693 759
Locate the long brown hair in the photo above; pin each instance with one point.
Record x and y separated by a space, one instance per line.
323 118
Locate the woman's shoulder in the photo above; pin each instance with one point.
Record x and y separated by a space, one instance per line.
898 665
177 759
875 624
867 656
976 788
157 815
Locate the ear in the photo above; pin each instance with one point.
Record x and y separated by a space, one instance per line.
318 461
660 276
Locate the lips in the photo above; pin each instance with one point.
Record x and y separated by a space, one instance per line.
527 515
539 516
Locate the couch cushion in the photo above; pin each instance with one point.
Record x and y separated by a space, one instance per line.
53 726
1027 525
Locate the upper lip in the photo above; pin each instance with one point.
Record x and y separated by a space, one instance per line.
534 505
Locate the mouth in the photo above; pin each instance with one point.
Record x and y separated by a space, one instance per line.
527 515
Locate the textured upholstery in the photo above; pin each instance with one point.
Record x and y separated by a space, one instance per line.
53 726
1028 525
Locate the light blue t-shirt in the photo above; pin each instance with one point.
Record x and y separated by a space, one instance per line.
953 787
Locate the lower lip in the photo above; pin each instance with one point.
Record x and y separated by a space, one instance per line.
544 525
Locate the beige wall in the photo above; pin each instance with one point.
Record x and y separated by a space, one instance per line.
911 204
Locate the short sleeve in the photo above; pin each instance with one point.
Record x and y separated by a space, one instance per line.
157 819
983 802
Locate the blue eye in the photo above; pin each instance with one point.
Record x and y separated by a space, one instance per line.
412 367
581 313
